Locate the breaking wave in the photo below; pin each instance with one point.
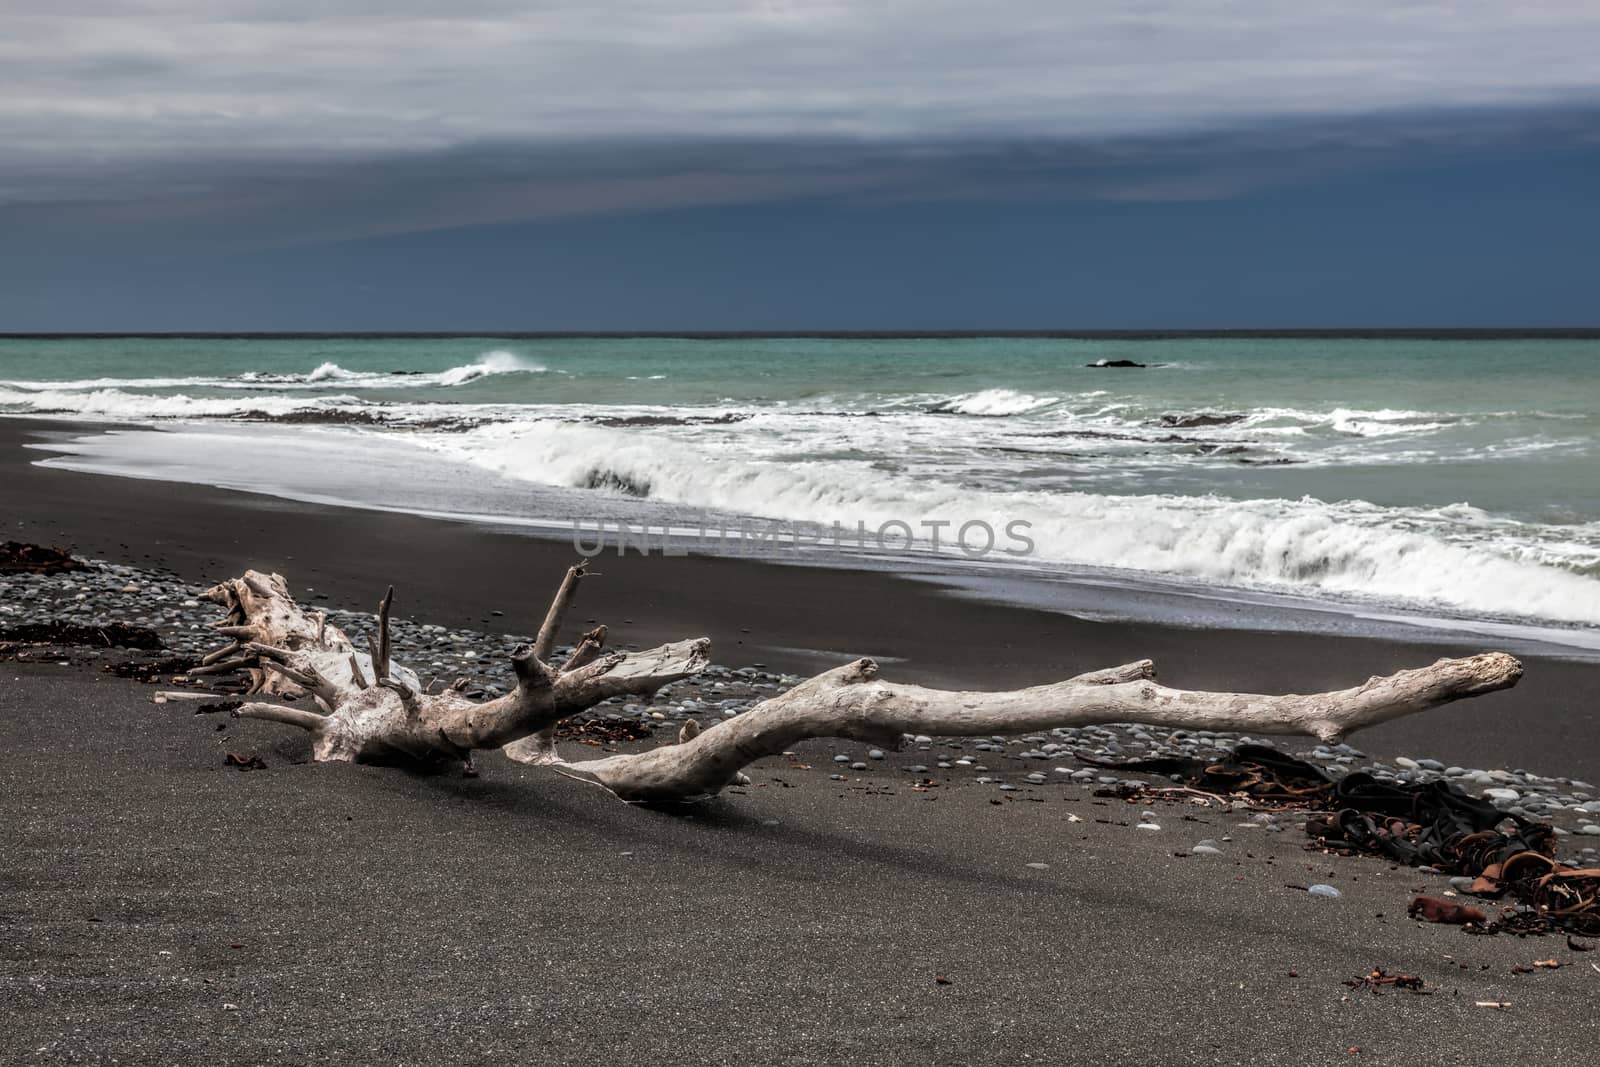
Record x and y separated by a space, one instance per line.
324 376
1431 556
993 402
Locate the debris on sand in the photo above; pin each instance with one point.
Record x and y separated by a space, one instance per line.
250 762
98 635
602 731
1422 824
150 670
1378 978
19 557
1434 910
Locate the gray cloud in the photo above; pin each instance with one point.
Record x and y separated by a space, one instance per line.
284 122
106 81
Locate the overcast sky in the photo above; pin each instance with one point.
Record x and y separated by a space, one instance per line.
522 158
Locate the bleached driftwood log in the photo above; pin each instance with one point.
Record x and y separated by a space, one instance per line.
389 718
850 702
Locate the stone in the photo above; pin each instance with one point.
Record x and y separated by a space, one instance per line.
1321 890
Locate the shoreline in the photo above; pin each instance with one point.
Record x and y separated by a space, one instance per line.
794 618
379 473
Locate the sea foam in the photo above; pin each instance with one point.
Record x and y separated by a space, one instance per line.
1356 549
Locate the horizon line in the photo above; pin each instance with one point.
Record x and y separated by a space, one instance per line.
1464 333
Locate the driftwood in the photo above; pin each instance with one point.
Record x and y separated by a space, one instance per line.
374 710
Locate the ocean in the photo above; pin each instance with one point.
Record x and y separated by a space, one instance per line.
1452 479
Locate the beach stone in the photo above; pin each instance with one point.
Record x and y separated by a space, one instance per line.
858 766
1036 779
841 759
1204 849
1406 763
1148 826
1592 829
1038 866
876 753
1321 890
1502 794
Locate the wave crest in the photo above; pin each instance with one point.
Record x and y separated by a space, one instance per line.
993 403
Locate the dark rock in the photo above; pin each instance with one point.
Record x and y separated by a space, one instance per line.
19 557
1204 418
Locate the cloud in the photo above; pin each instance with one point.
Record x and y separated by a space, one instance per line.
289 199
106 81
286 122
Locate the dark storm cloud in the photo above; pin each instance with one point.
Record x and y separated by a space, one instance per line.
288 199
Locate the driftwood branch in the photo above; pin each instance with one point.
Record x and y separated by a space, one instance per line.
282 650
850 702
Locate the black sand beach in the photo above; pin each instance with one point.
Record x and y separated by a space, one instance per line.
159 907
801 619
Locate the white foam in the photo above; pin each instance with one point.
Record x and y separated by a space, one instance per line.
1504 568
995 402
117 404
324 376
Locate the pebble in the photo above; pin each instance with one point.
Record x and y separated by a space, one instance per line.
876 753
1206 848
1038 866
1148 826
1321 890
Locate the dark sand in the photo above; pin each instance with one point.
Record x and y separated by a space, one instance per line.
370 915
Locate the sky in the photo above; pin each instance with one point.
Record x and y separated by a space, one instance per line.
700 165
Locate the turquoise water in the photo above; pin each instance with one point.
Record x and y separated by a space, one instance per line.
1457 474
